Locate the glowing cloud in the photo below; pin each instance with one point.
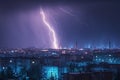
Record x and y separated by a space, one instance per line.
53 34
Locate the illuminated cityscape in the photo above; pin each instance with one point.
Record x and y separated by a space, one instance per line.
60 64
59 40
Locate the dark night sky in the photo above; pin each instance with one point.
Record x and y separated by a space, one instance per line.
87 22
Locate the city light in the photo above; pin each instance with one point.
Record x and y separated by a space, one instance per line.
10 61
33 62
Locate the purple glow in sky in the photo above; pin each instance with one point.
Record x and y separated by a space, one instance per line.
53 34
91 24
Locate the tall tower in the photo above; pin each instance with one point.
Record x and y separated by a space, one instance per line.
109 45
76 45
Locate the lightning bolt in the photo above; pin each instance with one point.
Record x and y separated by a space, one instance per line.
55 44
